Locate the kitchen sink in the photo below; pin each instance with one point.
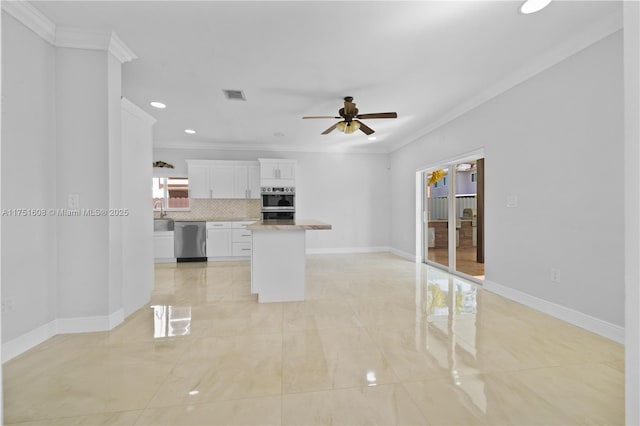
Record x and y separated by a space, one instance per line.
163 224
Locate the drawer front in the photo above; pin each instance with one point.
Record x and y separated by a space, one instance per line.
242 249
243 224
218 225
240 236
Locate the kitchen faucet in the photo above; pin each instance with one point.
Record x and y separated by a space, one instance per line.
162 212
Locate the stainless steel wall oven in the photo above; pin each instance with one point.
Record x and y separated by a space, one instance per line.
278 202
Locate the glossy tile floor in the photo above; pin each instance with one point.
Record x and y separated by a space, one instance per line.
380 340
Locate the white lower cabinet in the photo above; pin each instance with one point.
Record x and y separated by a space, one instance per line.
163 246
228 239
241 249
218 239
241 238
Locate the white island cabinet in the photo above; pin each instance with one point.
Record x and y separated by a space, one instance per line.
278 259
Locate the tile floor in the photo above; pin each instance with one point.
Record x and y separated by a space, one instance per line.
379 340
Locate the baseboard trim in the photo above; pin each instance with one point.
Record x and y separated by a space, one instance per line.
21 344
348 250
118 317
405 255
579 319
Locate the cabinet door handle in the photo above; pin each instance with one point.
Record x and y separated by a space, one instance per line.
245 249
245 235
211 193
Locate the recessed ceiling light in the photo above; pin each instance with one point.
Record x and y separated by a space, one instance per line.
190 131
533 6
158 105
372 138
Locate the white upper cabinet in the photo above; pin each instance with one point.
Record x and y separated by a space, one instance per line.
275 172
247 181
224 179
199 186
254 181
221 181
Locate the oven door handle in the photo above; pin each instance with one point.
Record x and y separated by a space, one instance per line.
279 209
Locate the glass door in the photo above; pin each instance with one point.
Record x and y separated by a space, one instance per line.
453 217
437 216
467 241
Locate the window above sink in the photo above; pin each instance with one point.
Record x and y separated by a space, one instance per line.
170 193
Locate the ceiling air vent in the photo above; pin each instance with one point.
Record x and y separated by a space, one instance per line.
234 95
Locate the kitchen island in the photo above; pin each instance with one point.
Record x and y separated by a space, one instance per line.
278 258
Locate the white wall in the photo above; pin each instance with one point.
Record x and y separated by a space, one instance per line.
115 171
137 226
349 191
83 168
62 135
28 179
556 142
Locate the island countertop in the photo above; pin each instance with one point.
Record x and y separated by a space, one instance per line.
288 225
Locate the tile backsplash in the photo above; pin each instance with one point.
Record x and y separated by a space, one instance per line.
205 209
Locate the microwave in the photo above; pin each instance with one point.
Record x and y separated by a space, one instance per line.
278 199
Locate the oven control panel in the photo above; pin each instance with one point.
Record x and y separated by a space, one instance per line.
278 190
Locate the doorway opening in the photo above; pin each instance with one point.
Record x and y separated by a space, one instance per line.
452 211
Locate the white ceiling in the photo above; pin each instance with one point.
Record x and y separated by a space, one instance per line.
427 60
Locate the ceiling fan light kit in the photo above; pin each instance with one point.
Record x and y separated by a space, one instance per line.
350 113
348 128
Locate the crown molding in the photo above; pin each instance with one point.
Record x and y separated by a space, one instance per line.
605 27
136 111
94 40
77 38
31 18
120 50
222 146
58 36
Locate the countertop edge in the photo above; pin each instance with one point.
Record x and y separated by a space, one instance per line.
303 225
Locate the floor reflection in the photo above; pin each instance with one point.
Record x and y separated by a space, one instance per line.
446 327
170 321
378 340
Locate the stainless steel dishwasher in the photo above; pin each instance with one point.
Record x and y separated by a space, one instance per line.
190 241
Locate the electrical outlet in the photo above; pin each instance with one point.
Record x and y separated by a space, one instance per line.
555 275
7 305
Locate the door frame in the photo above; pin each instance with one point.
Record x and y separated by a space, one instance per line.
421 211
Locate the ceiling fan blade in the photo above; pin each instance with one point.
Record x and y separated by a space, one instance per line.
322 116
366 129
330 129
378 115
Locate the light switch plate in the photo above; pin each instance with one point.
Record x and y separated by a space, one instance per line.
73 201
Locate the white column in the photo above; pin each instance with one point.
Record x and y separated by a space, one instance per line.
632 210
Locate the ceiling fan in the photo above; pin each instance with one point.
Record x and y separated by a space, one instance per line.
349 114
